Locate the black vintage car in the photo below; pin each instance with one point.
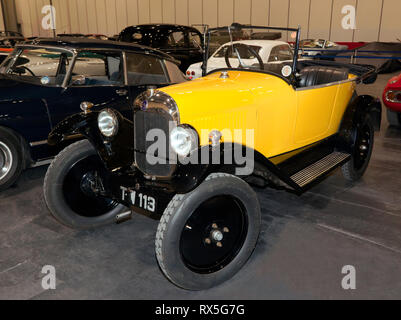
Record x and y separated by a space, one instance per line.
44 81
182 42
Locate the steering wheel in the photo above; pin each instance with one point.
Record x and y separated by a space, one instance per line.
252 51
29 70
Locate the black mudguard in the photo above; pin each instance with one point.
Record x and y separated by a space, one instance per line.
358 108
116 153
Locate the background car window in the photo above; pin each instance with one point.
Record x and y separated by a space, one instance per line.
243 51
176 39
195 40
175 74
44 66
144 69
97 69
280 53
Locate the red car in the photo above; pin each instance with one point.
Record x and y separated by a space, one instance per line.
392 99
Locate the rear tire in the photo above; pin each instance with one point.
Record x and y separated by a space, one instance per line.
354 169
394 118
11 159
206 236
67 189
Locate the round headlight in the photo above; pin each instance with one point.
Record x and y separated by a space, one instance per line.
183 141
108 123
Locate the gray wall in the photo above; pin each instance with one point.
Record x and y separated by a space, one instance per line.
376 19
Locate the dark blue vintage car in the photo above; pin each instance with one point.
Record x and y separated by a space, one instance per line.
44 81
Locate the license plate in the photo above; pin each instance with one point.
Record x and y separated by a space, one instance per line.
138 199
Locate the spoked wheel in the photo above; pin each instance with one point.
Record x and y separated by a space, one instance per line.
363 147
206 236
74 189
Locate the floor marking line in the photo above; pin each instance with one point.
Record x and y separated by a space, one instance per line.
15 267
355 236
357 205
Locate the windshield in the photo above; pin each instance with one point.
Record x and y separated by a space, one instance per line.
38 65
245 54
250 48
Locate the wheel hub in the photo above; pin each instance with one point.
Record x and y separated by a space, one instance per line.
88 184
214 234
83 188
217 235
363 146
6 160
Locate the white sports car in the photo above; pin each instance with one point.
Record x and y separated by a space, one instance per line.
271 52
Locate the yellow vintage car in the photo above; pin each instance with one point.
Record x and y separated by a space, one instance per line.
193 150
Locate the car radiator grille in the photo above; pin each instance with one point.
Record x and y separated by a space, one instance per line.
144 122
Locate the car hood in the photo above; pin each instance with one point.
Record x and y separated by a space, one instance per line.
213 96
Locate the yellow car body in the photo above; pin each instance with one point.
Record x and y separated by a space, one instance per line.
283 118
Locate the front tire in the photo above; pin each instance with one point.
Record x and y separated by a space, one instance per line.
11 159
354 169
68 189
206 236
394 118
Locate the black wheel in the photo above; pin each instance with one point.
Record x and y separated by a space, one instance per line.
363 147
206 236
72 189
394 118
11 159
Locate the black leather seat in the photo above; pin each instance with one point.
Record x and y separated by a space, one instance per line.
318 75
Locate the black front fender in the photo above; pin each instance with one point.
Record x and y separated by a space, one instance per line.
116 152
75 124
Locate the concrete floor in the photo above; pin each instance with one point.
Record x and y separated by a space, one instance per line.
304 244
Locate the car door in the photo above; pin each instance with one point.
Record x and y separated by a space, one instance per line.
97 77
315 110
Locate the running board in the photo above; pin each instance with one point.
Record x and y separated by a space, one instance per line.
320 168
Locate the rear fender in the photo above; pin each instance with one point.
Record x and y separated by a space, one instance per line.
358 108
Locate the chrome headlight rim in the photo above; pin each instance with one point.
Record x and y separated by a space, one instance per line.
184 140
153 99
108 123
